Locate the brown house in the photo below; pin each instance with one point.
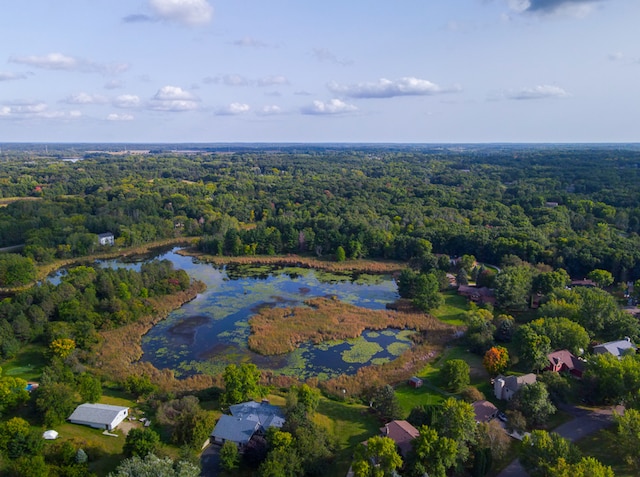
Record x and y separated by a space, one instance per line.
484 410
481 295
565 361
402 433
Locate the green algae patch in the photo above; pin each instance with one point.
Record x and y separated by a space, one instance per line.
361 351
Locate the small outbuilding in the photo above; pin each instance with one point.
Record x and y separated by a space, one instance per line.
99 416
106 238
415 382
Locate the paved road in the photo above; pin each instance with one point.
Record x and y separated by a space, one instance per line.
583 424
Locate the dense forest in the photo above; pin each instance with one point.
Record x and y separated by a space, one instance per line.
521 220
571 207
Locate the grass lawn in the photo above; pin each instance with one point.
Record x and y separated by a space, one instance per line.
603 446
27 364
351 424
453 309
105 452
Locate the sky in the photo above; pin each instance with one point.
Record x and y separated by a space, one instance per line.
382 71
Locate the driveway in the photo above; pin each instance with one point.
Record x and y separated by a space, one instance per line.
210 461
584 423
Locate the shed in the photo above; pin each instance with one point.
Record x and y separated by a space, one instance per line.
415 382
99 416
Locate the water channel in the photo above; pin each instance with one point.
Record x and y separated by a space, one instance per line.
208 333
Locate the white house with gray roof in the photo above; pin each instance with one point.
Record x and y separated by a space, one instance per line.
616 348
99 416
504 387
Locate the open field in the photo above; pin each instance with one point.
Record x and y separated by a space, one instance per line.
27 364
351 424
453 309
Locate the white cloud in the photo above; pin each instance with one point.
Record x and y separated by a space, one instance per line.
61 62
273 80
333 106
35 109
113 84
119 117
12 76
323 54
617 56
126 101
249 42
384 88
173 98
537 92
185 12
574 8
270 110
85 98
234 109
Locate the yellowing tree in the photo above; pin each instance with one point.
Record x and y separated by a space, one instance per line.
496 360
62 347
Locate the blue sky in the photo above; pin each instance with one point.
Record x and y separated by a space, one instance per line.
331 71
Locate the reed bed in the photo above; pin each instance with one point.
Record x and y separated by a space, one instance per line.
349 266
281 330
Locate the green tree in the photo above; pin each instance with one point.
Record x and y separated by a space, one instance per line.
455 375
431 454
16 270
602 278
229 456
141 442
379 458
241 383
152 465
309 397
586 467
457 420
563 333
532 347
533 402
28 466
13 392
628 439
56 402
341 255
541 451
385 402
427 294
18 439
513 287
89 387
547 282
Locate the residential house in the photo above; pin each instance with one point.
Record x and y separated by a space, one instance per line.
504 387
402 433
582 283
246 419
481 295
484 410
564 361
99 416
415 382
106 238
234 429
616 348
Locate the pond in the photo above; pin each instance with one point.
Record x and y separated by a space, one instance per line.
211 331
